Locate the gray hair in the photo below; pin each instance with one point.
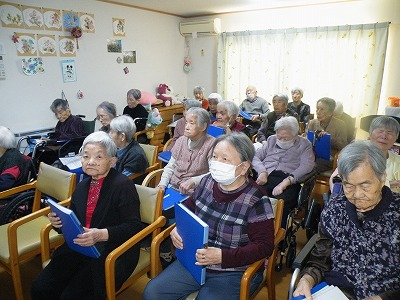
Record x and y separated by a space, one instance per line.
328 102
282 97
7 138
109 108
359 152
103 139
124 124
135 93
59 104
189 103
230 106
203 117
386 123
288 123
241 143
297 89
215 96
198 90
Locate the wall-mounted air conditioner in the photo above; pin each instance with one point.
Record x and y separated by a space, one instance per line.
201 27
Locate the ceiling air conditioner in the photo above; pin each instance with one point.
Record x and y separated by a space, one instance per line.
201 27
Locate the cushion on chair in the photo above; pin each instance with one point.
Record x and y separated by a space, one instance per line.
148 201
150 152
47 176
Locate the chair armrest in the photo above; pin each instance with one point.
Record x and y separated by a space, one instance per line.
167 143
18 189
248 276
155 250
153 178
128 244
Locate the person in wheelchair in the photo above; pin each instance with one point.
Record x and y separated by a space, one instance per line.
106 111
136 111
282 161
358 246
13 165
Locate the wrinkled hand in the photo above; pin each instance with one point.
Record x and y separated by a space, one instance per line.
304 287
281 187
254 118
186 187
176 239
90 237
373 298
321 133
262 178
209 256
54 220
161 187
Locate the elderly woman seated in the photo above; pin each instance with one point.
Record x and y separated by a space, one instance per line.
107 205
358 246
181 123
131 158
189 160
241 229
13 165
227 113
213 100
106 111
298 106
383 132
282 161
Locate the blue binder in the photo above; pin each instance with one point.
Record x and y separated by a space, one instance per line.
171 197
165 156
71 227
321 145
194 233
215 131
245 115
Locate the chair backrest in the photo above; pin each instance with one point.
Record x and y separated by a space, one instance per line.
277 207
54 182
151 153
89 126
150 203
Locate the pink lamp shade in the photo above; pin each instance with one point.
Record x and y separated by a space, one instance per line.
147 98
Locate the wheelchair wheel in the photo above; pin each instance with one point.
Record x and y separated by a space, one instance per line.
291 255
313 219
18 207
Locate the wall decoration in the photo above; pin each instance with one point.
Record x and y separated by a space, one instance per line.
129 57
47 45
11 15
67 46
26 44
87 22
126 70
118 27
52 19
33 17
32 65
70 20
114 46
68 70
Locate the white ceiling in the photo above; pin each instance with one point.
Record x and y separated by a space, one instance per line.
196 8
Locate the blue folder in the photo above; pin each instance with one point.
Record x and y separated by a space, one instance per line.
215 131
313 290
165 156
171 197
71 227
245 115
321 145
194 233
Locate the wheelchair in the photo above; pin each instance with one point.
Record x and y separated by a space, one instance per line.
305 215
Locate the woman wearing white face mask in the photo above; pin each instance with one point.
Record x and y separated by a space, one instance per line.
240 221
282 160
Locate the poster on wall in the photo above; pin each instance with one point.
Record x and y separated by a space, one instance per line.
129 57
118 27
11 15
67 46
26 44
47 45
33 17
52 19
32 66
68 70
87 22
114 46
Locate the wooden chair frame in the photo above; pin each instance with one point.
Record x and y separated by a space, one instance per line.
152 159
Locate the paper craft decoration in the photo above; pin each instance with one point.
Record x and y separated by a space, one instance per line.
194 233
70 20
11 15
87 22
71 227
171 197
52 19
47 45
33 17
68 70
32 66
67 46
118 27
245 115
26 44
321 145
323 291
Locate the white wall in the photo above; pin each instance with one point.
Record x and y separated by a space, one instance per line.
25 100
352 12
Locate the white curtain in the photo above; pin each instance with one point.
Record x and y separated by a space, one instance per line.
341 62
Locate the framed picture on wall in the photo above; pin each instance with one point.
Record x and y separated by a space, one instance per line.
68 70
129 57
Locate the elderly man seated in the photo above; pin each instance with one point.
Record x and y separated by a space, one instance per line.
358 247
282 161
280 104
227 113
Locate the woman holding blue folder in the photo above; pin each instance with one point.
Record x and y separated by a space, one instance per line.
107 205
241 229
